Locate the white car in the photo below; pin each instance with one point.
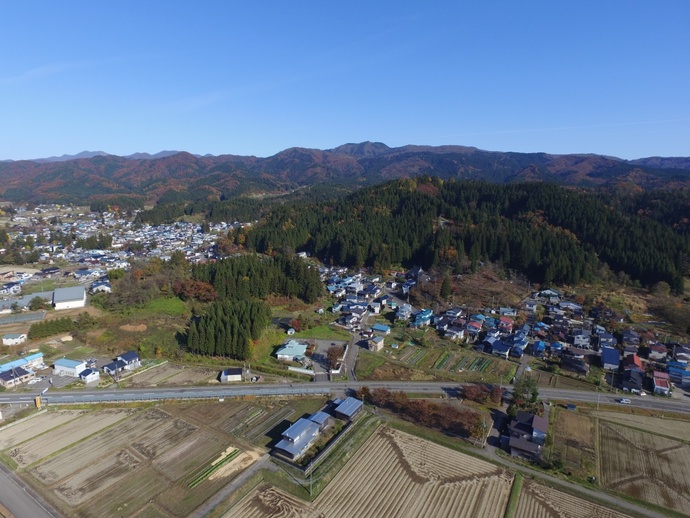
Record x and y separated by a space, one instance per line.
624 401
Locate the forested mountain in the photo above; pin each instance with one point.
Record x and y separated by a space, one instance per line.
550 233
183 177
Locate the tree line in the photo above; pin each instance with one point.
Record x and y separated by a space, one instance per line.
549 233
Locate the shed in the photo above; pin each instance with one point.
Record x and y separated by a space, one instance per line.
349 409
231 374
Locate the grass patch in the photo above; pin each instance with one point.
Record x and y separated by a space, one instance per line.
171 307
323 333
366 364
514 499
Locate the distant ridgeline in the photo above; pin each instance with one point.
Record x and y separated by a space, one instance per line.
549 233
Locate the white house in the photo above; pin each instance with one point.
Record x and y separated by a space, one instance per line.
13 339
69 298
292 351
71 368
89 375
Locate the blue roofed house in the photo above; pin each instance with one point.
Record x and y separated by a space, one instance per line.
381 329
292 351
131 359
610 358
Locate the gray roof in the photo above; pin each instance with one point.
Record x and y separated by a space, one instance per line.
298 437
68 294
349 407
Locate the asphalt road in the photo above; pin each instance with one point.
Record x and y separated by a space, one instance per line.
336 388
19 499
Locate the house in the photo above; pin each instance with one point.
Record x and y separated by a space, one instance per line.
552 295
610 358
292 351
13 338
381 329
629 350
231 374
131 359
662 384
114 367
505 324
32 361
500 348
657 352
376 344
630 337
455 312
632 381
632 362
349 409
16 376
89 375
507 312
454 333
519 447
606 340
69 298
574 364
298 438
582 338
529 426
66 367
531 306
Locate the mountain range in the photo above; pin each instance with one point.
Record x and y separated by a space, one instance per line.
173 175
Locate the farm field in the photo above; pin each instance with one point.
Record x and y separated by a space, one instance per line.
677 428
167 459
645 466
395 474
172 374
574 443
537 501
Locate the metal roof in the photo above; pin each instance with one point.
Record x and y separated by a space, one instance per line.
70 364
69 294
349 407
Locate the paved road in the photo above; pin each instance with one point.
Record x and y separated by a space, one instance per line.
336 388
20 500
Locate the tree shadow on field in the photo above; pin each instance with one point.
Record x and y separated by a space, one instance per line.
500 421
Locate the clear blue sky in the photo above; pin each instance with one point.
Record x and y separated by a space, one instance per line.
253 78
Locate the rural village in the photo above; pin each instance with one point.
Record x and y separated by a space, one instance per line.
85 459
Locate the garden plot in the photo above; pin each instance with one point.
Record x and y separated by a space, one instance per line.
574 442
395 474
472 364
34 426
645 466
537 501
192 376
165 436
61 437
127 496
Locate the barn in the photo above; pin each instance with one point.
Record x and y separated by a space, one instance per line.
71 368
231 374
69 298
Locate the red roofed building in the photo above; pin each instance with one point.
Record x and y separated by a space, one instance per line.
632 362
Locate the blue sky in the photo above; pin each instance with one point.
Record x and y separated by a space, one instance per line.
253 78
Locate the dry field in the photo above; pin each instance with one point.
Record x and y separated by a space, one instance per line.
677 428
172 374
537 501
645 466
33 426
125 462
61 437
395 475
574 443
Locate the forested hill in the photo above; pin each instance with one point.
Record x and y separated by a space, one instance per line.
550 233
182 177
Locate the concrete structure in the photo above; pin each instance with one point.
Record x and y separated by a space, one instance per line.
69 298
71 368
13 339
